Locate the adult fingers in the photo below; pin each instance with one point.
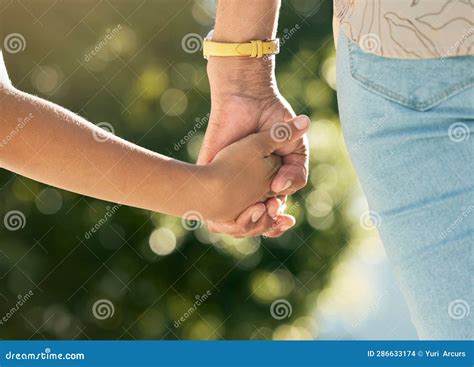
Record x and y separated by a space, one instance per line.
290 178
281 134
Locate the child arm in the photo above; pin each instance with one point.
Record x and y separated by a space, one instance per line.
50 144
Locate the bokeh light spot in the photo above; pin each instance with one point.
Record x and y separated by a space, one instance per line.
173 102
162 241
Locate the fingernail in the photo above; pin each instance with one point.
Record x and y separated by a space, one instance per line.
287 185
272 212
256 215
301 122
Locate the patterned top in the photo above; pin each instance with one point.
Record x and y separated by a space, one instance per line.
408 29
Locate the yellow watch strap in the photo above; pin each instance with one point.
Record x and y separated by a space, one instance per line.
255 48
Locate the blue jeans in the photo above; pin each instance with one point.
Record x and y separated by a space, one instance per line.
409 129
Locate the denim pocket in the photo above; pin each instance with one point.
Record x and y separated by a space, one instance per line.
417 84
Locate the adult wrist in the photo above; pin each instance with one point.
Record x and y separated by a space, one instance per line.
242 76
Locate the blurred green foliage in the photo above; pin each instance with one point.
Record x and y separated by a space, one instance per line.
152 92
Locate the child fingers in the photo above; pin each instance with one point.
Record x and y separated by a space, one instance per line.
249 225
251 215
265 225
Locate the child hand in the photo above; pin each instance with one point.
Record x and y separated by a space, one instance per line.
241 174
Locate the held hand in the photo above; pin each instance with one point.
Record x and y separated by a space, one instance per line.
242 172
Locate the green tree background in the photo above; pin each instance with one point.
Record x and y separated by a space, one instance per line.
151 88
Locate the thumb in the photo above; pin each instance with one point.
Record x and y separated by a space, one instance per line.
205 154
211 145
282 134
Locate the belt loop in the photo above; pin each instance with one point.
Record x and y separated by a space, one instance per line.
257 49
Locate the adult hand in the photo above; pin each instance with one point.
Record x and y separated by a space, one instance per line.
245 100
